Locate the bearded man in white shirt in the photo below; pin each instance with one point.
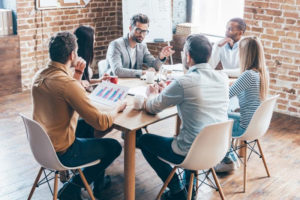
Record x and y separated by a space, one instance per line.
225 53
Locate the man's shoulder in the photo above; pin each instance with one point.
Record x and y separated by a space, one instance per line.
117 41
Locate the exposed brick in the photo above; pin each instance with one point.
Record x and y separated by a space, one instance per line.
292 109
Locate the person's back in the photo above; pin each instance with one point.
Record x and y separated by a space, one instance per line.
51 86
201 97
58 100
205 102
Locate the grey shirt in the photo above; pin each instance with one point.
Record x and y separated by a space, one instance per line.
201 97
119 61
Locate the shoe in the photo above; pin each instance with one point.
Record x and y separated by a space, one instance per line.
167 195
69 191
100 186
226 165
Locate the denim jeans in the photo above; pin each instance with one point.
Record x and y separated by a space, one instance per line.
85 150
154 146
236 131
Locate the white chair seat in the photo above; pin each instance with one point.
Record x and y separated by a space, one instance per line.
44 153
207 150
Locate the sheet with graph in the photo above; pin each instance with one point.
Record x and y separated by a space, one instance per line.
108 93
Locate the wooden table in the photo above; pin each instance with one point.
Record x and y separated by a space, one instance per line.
129 121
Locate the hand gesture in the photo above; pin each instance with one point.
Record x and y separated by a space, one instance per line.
152 89
225 41
80 64
165 52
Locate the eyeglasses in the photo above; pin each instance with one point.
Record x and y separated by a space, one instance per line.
140 31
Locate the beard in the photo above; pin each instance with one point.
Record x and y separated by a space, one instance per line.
138 39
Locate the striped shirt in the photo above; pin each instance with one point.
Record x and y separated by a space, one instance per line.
247 89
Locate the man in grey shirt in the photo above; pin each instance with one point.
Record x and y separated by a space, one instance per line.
126 55
201 97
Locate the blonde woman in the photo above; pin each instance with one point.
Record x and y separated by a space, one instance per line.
251 89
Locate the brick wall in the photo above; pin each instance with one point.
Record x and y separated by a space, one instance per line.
277 23
36 27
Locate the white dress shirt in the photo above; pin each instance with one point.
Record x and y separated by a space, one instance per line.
229 58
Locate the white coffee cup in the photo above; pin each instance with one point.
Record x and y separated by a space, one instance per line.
138 102
150 77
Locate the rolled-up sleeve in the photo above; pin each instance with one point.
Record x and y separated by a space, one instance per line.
77 98
170 96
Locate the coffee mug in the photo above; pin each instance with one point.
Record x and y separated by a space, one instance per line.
150 77
138 102
114 79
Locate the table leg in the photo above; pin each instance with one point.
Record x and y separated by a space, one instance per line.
129 165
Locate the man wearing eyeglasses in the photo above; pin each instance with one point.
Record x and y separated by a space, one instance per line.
225 54
126 55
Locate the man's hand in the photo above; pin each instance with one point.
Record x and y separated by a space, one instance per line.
85 83
121 105
152 89
151 69
225 41
161 86
80 64
165 52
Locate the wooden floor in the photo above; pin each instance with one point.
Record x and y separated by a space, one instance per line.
281 146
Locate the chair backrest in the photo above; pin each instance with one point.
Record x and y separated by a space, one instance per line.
102 67
41 145
260 121
209 147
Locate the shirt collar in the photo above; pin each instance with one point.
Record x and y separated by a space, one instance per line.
199 66
235 45
60 66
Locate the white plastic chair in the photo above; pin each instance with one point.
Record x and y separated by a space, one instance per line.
102 67
207 150
257 127
44 153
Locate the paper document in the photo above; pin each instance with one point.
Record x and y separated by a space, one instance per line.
108 93
176 67
139 90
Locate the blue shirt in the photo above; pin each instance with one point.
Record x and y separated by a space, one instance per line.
201 97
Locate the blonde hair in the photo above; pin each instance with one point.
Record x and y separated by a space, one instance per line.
252 58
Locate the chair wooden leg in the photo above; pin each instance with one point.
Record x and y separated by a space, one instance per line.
263 158
35 183
190 191
55 186
166 183
86 184
197 185
245 165
218 184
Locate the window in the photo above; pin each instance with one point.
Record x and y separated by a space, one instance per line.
212 15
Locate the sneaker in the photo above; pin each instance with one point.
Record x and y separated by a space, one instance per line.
226 165
167 195
69 192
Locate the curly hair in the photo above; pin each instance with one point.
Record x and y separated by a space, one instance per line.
61 46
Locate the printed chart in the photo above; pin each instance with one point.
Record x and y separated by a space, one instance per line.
108 93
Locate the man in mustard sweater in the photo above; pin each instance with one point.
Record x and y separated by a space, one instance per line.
58 101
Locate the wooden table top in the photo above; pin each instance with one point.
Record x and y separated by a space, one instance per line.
131 119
